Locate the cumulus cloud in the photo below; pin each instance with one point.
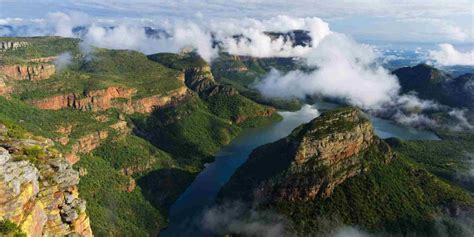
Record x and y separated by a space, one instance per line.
255 42
346 71
447 55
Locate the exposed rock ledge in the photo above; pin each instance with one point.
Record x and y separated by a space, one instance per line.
104 99
31 72
6 45
41 197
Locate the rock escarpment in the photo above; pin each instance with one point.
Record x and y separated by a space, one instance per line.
11 45
201 80
4 89
30 72
197 73
311 161
100 100
39 188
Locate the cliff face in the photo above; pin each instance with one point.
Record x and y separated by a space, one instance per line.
104 99
311 161
39 188
31 72
201 80
4 89
11 45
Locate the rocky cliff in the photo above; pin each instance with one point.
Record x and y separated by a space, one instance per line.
312 160
197 73
38 188
201 80
31 72
11 45
100 100
4 89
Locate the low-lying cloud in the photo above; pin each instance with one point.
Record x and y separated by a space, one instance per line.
346 71
237 218
447 55
63 60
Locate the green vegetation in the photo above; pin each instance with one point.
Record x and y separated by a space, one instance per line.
239 109
38 47
189 131
397 198
46 123
113 211
162 151
178 61
243 72
103 69
449 158
10 229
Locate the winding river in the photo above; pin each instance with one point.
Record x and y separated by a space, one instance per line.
185 214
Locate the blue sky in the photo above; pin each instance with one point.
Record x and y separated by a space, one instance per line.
372 21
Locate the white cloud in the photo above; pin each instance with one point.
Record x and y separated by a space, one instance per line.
460 116
448 55
240 219
346 71
63 60
348 231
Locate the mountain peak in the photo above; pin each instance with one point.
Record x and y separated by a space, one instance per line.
312 160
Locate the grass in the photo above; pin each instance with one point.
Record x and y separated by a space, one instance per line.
104 68
39 47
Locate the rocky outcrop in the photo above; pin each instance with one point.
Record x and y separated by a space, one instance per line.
85 144
38 189
31 72
43 59
149 104
4 89
311 161
268 112
10 45
201 80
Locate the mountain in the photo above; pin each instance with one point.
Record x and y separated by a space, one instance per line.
297 37
334 171
139 129
431 83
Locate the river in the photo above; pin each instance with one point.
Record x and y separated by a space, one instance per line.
185 214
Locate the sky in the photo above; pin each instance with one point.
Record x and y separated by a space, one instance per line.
375 21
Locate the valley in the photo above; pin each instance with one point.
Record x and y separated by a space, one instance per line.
104 141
